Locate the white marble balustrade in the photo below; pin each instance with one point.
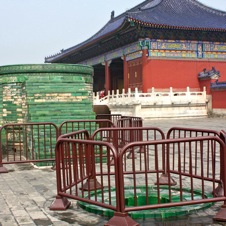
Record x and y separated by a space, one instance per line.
151 98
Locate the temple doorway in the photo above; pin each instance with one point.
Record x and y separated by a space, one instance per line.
116 75
116 80
98 78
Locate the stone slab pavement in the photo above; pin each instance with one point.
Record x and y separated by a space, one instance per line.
26 192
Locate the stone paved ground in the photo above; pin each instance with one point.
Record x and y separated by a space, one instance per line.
27 192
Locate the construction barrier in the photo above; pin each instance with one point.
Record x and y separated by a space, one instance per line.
194 164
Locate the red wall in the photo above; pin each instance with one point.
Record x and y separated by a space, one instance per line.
218 97
159 73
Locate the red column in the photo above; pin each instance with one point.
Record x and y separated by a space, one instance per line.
125 74
144 72
107 77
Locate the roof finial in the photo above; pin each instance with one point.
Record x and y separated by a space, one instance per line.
112 14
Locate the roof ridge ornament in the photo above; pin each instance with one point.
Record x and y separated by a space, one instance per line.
112 14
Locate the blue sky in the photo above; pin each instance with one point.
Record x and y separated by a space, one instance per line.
30 30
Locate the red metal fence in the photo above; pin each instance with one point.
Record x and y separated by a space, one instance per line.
33 142
90 125
112 117
190 163
120 136
122 121
181 132
96 162
79 173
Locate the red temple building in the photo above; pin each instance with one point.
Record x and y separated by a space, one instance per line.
161 44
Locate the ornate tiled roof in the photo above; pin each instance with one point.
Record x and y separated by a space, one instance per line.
183 14
218 85
212 74
171 14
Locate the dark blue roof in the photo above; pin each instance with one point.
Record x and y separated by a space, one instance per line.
213 74
178 14
184 14
218 85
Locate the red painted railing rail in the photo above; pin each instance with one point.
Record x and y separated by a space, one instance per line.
90 125
112 117
120 136
183 132
122 121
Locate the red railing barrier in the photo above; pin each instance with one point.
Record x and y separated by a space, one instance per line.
190 162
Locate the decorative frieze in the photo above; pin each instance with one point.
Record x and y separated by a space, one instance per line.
131 52
186 49
134 55
164 49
